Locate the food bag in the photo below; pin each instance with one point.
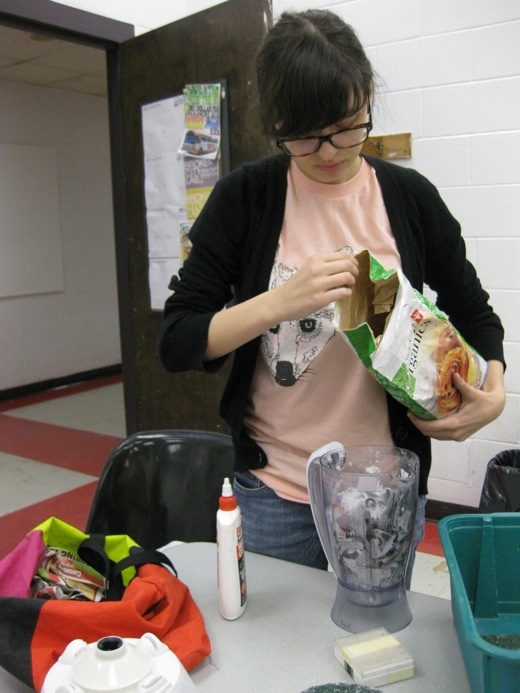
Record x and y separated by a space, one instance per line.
405 341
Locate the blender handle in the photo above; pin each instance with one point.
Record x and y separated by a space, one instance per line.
315 489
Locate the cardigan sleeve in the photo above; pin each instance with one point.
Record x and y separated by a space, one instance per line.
433 251
453 278
204 284
234 242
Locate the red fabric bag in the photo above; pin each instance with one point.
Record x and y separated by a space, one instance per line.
35 632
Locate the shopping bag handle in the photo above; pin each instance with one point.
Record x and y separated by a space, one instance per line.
139 556
92 551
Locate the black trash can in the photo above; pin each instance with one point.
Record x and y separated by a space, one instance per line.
501 489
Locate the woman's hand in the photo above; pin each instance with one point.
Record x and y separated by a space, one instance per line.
321 280
477 409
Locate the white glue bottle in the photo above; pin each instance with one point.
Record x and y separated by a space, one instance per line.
231 566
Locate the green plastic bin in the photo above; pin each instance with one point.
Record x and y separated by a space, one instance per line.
483 556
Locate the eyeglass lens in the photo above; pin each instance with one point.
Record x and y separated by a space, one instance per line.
341 140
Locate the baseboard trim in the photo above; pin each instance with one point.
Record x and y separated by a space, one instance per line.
42 386
436 510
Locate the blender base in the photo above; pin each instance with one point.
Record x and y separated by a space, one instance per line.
357 610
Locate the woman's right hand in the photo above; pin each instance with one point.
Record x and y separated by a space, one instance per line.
321 280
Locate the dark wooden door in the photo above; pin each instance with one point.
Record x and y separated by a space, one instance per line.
219 43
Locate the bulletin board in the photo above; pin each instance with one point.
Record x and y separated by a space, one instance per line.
185 151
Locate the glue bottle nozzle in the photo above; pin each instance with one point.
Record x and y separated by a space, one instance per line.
227 499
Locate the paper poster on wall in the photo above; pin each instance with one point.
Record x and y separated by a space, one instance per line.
162 121
200 146
202 107
200 177
182 163
160 272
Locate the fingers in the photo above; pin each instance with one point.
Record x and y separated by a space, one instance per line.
321 280
476 410
462 386
324 273
450 427
343 262
340 268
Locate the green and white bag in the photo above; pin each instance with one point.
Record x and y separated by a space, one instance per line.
405 341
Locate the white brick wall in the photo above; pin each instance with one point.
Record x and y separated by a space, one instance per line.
451 76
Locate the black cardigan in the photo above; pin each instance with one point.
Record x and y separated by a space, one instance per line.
235 239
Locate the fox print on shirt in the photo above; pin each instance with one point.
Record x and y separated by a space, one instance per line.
290 347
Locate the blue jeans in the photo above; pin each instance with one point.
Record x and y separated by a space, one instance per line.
285 529
277 527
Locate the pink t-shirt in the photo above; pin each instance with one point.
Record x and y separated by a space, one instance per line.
309 388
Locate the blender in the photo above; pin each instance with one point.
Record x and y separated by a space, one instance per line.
364 500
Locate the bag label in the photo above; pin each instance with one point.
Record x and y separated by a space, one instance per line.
405 341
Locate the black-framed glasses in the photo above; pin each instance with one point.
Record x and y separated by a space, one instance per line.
341 139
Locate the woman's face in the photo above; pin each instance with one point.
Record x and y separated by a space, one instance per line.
332 165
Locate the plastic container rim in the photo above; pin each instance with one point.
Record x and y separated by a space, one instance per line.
444 526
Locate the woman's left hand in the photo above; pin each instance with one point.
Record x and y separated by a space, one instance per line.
477 409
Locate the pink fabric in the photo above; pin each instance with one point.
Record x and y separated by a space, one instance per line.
334 397
18 568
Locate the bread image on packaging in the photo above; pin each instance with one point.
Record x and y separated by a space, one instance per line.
405 341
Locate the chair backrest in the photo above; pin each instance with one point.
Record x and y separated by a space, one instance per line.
161 486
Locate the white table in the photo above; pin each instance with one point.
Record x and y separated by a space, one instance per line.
283 643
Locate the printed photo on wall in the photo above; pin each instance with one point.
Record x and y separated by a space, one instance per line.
200 143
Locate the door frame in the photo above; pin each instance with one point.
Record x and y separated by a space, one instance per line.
73 25
78 26
67 23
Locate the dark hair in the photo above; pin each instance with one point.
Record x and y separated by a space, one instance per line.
311 72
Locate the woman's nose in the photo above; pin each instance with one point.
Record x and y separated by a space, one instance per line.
327 151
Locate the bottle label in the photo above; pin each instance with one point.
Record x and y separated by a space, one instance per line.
241 565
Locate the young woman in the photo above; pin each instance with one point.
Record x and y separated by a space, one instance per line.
272 252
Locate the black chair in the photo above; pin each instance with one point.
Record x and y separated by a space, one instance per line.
161 486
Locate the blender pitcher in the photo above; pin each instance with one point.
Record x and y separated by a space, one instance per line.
364 500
